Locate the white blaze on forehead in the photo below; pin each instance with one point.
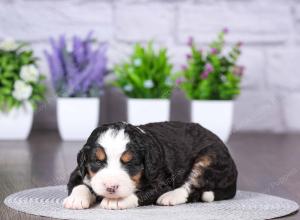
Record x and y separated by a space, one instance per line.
114 143
113 174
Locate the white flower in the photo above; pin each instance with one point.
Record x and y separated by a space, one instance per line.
29 73
137 62
148 84
22 91
128 88
8 44
168 81
223 78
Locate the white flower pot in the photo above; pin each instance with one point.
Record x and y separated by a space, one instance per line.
77 117
16 124
142 111
216 116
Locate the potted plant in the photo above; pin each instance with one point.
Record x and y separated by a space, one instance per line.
145 80
21 89
211 79
77 77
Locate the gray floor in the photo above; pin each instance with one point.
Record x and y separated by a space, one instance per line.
267 163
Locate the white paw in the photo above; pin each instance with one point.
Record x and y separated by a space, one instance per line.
126 203
175 197
208 196
80 198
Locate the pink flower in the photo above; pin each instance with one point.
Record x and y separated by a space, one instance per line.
183 67
188 56
204 74
239 70
239 44
214 50
225 30
178 81
208 68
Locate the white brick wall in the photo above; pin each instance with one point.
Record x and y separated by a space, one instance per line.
283 68
270 99
144 22
252 21
36 20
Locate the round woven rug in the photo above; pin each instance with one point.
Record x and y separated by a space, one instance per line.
47 202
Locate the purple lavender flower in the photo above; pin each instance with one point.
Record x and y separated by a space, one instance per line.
190 41
188 56
214 50
79 71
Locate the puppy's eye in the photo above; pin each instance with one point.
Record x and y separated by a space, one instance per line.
99 162
126 157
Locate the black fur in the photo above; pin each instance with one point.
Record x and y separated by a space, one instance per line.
166 154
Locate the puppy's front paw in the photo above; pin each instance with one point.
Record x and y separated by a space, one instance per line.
80 198
128 202
175 197
125 203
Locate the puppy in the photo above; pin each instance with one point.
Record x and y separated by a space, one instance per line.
168 163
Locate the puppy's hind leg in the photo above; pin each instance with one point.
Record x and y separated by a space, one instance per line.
174 197
192 186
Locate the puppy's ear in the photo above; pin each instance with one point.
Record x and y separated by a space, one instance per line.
82 159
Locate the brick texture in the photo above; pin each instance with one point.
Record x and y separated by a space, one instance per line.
270 30
143 22
253 21
283 68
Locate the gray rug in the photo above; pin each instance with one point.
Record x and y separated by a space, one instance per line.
47 202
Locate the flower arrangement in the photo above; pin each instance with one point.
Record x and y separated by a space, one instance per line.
79 71
20 80
147 73
212 74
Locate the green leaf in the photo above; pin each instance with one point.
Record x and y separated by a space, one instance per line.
145 63
221 83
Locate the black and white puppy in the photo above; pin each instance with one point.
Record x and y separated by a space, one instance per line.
168 163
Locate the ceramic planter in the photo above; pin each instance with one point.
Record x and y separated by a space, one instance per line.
77 117
217 116
16 124
142 111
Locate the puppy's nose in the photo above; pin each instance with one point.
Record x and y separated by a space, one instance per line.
112 189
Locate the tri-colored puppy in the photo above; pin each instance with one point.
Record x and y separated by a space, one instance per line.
168 163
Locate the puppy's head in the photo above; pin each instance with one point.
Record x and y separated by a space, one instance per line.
111 163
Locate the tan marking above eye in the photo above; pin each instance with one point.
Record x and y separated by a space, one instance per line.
126 157
100 154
